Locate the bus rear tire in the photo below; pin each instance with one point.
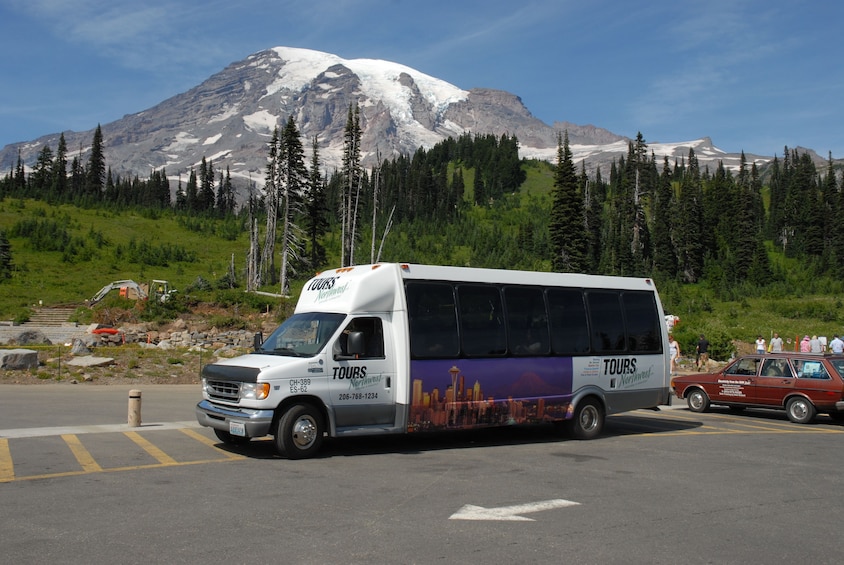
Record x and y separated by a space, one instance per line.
588 421
299 431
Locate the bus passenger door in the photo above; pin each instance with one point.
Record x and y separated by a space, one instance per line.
362 375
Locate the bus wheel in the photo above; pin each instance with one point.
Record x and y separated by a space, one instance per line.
299 432
229 439
588 420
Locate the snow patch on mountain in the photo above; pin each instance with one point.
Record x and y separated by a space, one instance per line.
262 121
380 80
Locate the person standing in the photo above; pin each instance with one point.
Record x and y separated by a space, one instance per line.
702 352
805 344
836 345
815 344
674 349
776 343
760 344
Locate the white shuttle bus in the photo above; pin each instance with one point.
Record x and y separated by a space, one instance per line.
399 348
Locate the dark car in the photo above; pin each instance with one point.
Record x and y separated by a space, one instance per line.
802 384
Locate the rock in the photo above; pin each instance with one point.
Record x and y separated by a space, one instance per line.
90 361
79 348
17 359
31 337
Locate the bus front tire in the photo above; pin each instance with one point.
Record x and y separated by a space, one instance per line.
299 431
588 421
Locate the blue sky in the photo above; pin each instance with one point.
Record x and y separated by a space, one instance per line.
753 75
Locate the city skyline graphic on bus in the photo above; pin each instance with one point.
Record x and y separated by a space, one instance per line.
468 393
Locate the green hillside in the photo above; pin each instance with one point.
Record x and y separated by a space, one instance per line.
100 247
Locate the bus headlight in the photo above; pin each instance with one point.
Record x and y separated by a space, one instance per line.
254 391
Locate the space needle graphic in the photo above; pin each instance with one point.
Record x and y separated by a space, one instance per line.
454 372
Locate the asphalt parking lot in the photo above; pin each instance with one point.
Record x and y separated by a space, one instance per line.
78 485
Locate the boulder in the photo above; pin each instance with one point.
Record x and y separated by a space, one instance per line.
79 348
17 359
90 361
31 337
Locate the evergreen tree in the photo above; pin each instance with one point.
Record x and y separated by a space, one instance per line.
568 233
20 176
594 197
205 197
41 179
665 258
226 203
192 193
272 186
690 250
95 172
479 189
181 196
60 169
316 210
294 182
352 178
6 264
77 178
111 193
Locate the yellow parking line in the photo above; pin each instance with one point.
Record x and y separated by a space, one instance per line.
82 455
159 455
7 468
193 434
116 469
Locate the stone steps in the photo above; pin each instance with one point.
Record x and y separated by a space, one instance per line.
57 316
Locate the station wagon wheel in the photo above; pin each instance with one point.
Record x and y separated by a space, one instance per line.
299 432
229 439
800 410
588 420
698 400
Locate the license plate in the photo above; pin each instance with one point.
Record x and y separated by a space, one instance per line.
237 429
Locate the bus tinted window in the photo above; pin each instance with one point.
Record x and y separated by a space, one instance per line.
643 327
481 320
569 329
433 320
527 321
606 321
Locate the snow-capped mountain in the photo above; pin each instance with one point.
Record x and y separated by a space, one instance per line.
229 118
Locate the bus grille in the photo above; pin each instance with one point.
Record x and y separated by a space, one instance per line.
222 390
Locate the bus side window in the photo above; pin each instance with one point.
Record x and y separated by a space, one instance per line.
642 321
433 320
527 321
606 321
569 328
373 339
481 316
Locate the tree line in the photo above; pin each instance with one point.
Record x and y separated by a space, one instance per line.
460 202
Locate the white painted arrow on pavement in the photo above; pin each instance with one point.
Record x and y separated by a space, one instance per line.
511 513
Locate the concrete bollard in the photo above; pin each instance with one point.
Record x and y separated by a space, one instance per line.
134 408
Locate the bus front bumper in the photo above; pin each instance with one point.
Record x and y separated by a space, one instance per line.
244 422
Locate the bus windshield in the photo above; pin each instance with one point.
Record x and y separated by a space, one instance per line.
302 335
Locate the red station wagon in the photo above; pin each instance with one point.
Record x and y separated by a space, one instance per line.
802 384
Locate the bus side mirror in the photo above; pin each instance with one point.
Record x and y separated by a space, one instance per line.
257 340
356 346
